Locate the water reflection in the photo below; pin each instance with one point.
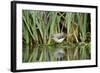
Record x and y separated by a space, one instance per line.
59 54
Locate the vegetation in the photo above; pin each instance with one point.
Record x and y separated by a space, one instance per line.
38 28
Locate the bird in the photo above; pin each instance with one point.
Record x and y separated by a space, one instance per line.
58 37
